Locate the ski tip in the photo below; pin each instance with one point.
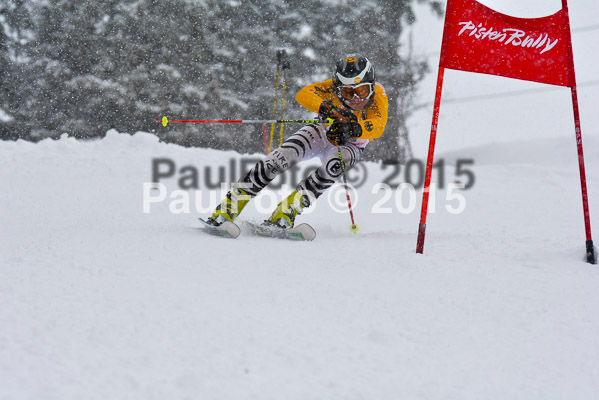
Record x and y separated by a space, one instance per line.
164 121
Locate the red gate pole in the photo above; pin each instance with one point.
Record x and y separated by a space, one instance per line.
590 250
265 136
429 162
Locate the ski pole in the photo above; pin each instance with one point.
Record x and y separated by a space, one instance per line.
165 121
283 64
274 106
283 105
353 227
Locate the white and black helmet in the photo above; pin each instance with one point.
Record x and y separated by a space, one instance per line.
354 78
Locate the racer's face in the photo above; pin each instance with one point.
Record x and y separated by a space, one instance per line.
356 96
363 91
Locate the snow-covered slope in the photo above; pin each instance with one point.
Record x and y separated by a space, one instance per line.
102 300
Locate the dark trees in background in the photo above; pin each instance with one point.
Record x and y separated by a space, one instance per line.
84 67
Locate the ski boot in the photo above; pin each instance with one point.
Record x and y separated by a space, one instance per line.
285 213
230 207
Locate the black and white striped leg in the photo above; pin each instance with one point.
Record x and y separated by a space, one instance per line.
330 171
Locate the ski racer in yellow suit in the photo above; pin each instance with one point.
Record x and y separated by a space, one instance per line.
353 108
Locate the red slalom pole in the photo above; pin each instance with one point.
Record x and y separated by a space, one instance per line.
265 136
590 249
429 163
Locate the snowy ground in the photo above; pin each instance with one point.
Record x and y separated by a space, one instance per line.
101 300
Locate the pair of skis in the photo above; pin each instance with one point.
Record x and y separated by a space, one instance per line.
229 229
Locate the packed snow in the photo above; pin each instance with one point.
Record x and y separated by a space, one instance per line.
102 300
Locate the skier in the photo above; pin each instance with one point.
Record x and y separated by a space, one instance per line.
352 106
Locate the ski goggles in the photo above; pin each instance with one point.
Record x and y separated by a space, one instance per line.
363 91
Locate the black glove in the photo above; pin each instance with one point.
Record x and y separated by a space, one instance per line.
341 115
342 132
327 111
